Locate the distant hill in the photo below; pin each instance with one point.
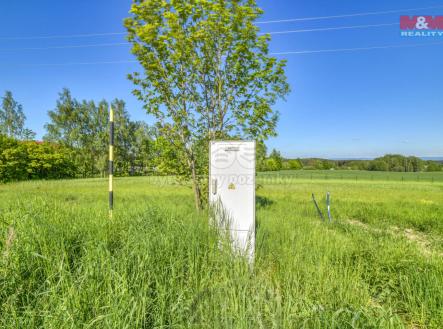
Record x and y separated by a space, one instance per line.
437 159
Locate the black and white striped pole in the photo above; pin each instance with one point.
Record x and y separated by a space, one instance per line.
111 160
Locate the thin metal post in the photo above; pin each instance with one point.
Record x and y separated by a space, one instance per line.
111 160
328 205
318 209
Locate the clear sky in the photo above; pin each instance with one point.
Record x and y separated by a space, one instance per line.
343 104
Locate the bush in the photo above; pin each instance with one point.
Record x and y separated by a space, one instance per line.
33 160
272 164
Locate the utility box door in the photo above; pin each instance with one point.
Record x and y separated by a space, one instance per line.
232 185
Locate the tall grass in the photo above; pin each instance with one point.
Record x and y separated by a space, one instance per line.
157 263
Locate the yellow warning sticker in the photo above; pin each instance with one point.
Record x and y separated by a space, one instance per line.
231 186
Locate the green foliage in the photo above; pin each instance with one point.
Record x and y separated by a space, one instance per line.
207 75
13 160
392 162
274 162
28 135
433 166
318 164
48 161
32 160
83 127
354 164
260 156
295 164
396 162
277 158
12 119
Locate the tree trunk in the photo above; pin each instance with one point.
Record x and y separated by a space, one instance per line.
196 186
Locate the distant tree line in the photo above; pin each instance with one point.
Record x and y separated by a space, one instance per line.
389 162
76 145
76 142
393 162
275 161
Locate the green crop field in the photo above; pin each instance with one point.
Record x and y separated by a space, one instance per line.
158 264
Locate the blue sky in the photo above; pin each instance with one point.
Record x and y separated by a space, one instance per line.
343 104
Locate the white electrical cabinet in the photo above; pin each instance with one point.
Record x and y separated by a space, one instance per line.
232 186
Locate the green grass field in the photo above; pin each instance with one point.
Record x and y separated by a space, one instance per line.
157 263
353 175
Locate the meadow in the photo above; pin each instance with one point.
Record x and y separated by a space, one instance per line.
158 264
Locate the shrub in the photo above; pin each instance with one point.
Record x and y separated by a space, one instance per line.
33 160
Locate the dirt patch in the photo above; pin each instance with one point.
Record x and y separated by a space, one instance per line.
358 223
420 239
364 226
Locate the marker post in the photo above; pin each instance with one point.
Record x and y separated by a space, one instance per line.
111 160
